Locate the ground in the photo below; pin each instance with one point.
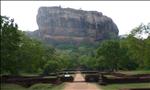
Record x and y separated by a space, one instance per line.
80 84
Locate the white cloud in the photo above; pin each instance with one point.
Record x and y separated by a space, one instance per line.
126 14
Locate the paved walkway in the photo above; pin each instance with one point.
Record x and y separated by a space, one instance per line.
79 84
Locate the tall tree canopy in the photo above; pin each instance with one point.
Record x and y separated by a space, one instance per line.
21 54
10 42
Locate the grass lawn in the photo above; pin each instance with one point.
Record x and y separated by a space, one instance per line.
135 72
33 87
119 86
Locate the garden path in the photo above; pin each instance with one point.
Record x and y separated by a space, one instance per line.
80 84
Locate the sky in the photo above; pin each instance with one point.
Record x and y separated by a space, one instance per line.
126 14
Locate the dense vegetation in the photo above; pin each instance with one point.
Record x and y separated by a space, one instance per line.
22 54
126 53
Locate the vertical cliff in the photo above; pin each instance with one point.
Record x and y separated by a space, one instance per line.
66 25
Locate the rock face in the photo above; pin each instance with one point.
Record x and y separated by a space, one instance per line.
66 25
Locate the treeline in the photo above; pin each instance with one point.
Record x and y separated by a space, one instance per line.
21 54
130 52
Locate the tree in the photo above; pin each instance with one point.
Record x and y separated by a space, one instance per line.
138 47
30 55
110 51
20 53
147 53
87 62
10 41
141 31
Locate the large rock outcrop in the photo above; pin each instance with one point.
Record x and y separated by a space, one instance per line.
66 25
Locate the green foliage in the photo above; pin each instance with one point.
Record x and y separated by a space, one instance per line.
147 53
128 53
30 54
10 41
21 54
109 53
141 30
88 62
51 66
138 47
